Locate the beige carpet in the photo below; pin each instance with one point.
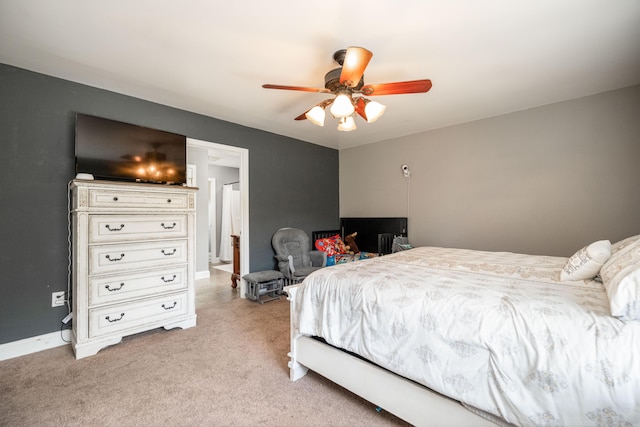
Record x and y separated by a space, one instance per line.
231 369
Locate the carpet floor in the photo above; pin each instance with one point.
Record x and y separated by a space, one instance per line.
231 369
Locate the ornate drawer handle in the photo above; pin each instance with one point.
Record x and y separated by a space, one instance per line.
114 320
168 280
114 289
108 227
168 227
169 308
115 259
169 254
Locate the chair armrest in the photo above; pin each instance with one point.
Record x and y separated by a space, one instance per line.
283 265
318 258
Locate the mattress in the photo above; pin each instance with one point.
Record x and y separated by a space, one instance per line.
495 330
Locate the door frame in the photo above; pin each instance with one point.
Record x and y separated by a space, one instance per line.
243 153
213 244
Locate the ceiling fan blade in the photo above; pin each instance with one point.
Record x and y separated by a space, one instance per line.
413 86
355 61
322 105
359 107
302 88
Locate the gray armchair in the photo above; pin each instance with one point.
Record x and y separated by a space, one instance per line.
295 258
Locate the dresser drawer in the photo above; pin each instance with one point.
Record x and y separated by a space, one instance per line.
129 256
108 289
119 317
128 199
118 228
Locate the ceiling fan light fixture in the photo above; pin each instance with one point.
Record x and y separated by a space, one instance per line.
373 110
342 106
343 82
347 124
316 115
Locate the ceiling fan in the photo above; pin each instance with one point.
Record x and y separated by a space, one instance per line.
347 80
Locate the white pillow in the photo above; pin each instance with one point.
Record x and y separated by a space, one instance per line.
585 264
621 279
621 244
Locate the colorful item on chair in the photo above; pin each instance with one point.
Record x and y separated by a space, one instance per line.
331 245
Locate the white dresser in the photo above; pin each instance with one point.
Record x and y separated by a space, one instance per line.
133 261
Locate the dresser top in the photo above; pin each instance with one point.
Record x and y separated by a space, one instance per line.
128 185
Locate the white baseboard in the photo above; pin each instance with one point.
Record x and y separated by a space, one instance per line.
202 275
34 344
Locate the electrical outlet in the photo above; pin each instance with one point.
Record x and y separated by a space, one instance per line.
57 299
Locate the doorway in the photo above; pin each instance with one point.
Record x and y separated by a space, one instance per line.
211 153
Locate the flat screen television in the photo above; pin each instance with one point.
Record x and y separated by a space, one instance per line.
108 149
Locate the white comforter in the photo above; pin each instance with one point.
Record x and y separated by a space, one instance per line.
497 331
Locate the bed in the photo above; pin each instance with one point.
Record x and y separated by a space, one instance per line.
442 336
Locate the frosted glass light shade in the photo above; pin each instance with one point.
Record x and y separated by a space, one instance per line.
373 110
342 106
316 115
347 124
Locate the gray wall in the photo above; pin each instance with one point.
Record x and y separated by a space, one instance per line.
544 181
37 117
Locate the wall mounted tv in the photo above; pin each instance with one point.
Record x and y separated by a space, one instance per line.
113 150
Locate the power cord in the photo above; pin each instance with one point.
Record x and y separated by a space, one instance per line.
62 328
69 317
407 176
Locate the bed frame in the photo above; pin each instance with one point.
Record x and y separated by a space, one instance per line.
370 230
404 398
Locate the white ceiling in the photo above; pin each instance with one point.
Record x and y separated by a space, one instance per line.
485 57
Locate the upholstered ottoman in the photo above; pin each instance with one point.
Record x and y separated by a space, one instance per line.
263 286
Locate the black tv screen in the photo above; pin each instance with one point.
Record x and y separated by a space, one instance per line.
113 150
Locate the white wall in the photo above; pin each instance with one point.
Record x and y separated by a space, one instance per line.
544 181
198 156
